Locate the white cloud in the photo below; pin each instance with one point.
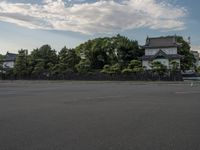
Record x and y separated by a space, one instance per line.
103 16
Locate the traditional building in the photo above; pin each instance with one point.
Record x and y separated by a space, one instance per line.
9 60
161 49
196 57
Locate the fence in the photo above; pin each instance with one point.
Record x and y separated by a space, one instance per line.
144 76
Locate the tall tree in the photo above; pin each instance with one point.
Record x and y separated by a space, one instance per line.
43 59
188 61
1 66
127 50
68 58
21 64
102 51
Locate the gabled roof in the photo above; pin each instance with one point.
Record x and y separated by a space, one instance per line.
10 57
162 54
161 42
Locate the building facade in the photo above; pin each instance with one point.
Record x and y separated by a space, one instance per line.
161 49
9 60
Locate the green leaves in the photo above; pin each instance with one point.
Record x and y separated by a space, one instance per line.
21 64
188 61
83 67
113 50
68 58
158 68
135 66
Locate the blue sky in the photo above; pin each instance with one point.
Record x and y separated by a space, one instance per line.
32 23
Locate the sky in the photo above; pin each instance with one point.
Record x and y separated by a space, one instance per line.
29 24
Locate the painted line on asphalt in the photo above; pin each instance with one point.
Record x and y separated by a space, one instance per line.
188 92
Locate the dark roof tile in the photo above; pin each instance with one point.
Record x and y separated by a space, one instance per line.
161 42
10 57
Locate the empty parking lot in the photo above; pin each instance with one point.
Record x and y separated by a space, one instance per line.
99 115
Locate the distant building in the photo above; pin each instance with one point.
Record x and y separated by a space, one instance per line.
197 58
161 49
9 60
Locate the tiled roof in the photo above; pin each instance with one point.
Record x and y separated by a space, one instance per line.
160 53
161 42
10 57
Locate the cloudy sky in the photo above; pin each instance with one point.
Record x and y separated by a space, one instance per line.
32 23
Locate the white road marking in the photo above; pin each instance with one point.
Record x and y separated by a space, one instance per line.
188 92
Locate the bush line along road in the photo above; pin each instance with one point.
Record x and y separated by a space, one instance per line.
99 115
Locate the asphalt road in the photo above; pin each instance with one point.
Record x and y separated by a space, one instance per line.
99 116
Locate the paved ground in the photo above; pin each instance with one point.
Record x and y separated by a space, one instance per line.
99 116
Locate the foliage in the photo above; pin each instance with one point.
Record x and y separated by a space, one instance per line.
1 62
188 61
42 60
135 66
68 59
198 70
21 64
174 66
83 67
111 55
102 51
158 68
111 69
1 66
127 71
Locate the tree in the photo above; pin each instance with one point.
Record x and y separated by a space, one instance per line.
198 70
42 60
110 50
127 50
135 66
21 64
111 69
39 69
83 67
1 66
68 59
158 67
174 66
188 61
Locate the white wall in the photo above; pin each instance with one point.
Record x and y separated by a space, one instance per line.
9 64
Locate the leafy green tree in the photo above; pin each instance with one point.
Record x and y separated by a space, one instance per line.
21 64
39 69
113 50
158 67
127 71
106 69
1 66
42 60
95 52
188 61
116 68
127 50
83 67
174 66
135 66
68 59
198 69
